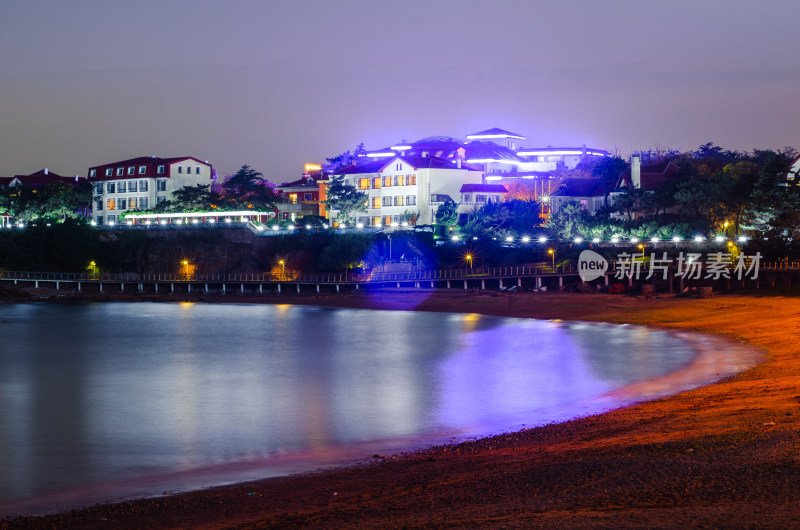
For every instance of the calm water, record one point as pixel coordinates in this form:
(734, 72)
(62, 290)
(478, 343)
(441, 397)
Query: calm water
(104, 401)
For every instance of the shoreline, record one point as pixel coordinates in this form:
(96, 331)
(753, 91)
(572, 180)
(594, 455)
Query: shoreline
(482, 482)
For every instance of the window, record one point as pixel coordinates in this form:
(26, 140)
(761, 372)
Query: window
(143, 203)
(161, 185)
(197, 170)
(411, 180)
(387, 201)
(376, 202)
(143, 185)
(495, 198)
(400, 180)
(387, 181)
(467, 198)
(98, 188)
(160, 199)
(363, 184)
(109, 172)
(376, 221)
(160, 170)
(387, 220)
(111, 219)
(132, 203)
(480, 199)
(142, 170)
(110, 187)
(131, 170)
(292, 198)
(376, 183)
(180, 169)
(119, 171)
(111, 204)
(99, 204)
(411, 200)
(121, 187)
(399, 200)
(98, 219)
(121, 204)
(307, 197)
(92, 173)
(398, 167)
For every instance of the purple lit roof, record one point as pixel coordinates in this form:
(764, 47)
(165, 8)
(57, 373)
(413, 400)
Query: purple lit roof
(417, 162)
(485, 150)
(495, 133)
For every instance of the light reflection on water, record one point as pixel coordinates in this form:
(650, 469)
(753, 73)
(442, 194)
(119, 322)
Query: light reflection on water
(98, 394)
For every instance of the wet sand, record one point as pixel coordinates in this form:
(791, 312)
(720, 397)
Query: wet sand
(724, 455)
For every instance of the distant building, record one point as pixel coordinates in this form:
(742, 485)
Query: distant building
(301, 198)
(408, 185)
(590, 193)
(43, 177)
(474, 196)
(142, 183)
(794, 169)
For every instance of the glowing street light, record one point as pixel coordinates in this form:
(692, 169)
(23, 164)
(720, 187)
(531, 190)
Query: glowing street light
(468, 257)
(641, 247)
(283, 268)
(93, 268)
(552, 255)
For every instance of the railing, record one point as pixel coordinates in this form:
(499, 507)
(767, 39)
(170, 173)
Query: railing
(343, 277)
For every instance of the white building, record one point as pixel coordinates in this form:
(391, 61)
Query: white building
(403, 185)
(142, 183)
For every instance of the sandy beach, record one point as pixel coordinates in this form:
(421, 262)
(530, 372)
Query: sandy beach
(724, 455)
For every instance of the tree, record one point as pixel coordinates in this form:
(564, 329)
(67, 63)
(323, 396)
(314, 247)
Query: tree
(337, 163)
(447, 213)
(609, 169)
(199, 197)
(345, 199)
(249, 190)
(515, 217)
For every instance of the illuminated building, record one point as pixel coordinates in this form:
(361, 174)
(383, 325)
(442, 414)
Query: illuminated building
(404, 184)
(142, 183)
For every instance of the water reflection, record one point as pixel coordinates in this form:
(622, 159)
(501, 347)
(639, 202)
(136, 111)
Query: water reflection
(91, 394)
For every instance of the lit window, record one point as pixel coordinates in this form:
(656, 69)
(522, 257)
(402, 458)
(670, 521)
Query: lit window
(293, 198)
(142, 170)
(111, 204)
(376, 202)
(363, 184)
(411, 180)
(132, 203)
(387, 181)
(376, 183)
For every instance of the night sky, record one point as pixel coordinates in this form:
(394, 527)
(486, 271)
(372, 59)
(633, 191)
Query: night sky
(277, 84)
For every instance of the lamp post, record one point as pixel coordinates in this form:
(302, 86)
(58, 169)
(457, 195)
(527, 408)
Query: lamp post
(283, 269)
(552, 255)
(468, 257)
(389, 236)
(185, 264)
(641, 247)
(93, 268)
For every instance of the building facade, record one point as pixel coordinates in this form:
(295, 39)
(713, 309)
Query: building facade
(407, 186)
(142, 183)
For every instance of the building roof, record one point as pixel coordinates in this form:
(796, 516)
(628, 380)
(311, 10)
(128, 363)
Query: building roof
(494, 133)
(304, 182)
(483, 188)
(417, 162)
(43, 177)
(583, 150)
(149, 162)
(652, 176)
(479, 150)
(581, 187)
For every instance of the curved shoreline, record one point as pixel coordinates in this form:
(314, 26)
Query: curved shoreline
(697, 457)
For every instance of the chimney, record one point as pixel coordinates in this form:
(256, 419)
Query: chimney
(46, 171)
(76, 178)
(636, 171)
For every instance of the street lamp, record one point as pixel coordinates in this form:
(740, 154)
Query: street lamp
(552, 255)
(93, 268)
(641, 247)
(283, 269)
(468, 257)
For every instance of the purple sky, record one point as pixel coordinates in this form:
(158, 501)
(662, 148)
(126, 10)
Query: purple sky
(277, 84)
